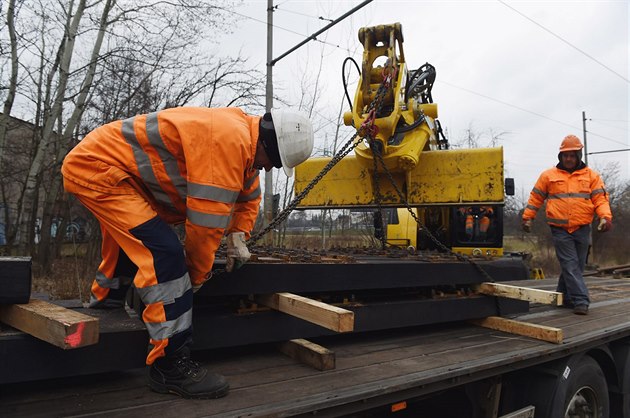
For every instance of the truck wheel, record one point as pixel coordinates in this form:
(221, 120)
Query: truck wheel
(582, 391)
(573, 387)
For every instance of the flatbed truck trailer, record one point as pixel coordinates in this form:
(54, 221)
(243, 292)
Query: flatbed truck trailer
(455, 369)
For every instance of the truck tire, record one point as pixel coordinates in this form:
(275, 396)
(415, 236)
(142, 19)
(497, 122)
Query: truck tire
(581, 391)
(586, 393)
(620, 395)
(569, 388)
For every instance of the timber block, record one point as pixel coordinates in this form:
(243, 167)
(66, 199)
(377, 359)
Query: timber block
(309, 353)
(15, 279)
(54, 324)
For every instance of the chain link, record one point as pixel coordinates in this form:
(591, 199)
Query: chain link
(436, 241)
(282, 216)
(367, 127)
(368, 131)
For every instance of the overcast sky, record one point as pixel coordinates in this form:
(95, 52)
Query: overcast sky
(525, 68)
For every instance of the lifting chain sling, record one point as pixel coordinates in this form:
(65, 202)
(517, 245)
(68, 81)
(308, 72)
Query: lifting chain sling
(367, 130)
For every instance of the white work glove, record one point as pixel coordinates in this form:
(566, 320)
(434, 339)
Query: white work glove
(605, 225)
(196, 287)
(237, 252)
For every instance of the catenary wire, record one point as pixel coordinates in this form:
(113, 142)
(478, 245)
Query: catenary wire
(284, 29)
(528, 111)
(565, 41)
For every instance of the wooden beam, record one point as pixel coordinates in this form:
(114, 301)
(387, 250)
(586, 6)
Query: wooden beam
(539, 332)
(520, 293)
(54, 324)
(322, 314)
(309, 353)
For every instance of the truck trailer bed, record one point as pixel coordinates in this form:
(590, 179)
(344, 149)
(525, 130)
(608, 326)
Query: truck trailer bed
(372, 369)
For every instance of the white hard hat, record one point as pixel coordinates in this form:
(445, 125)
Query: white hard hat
(294, 133)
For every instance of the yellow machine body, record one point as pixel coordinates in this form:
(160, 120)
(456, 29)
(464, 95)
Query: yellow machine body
(399, 153)
(441, 177)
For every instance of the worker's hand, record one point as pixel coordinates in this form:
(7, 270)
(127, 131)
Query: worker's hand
(605, 225)
(527, 225)
(196, 287)
(237, 252)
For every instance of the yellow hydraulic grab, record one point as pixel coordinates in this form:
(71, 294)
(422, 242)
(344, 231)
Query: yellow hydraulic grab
(402, 159)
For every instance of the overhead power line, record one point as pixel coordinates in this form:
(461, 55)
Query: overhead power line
(608, 125)
(564, 40)
(284, 29)
(609, 120)
(531, 112)
(509, 104)
(611, 151)
(277, 7)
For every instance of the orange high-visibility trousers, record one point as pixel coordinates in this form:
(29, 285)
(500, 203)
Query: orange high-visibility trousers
(136, 240)
(469, 226)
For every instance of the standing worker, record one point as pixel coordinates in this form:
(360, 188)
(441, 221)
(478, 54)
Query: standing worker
(575, 193)
(197, 166)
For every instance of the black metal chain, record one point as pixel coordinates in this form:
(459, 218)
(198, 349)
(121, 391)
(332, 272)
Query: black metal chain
(377, 194)
(367, 130)
(436, 241)
(282, 216)
(367, 126)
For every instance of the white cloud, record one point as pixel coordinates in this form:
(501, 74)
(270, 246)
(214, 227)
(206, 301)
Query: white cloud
(481, 46)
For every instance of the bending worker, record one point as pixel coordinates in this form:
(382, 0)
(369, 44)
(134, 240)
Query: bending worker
(194, 165)
(574, 194)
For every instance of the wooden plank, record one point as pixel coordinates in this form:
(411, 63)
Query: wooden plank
(322, 314)
(309, 353)
(539, 332)
(54, 324)
(520, 293)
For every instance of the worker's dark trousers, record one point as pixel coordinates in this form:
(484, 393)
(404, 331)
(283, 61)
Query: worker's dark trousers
(571, 250)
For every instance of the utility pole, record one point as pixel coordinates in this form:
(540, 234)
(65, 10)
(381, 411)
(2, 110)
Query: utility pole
(268, 196)
(268, 202)
(591, 253)
(584, 134)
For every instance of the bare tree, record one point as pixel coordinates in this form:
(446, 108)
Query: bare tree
(12, 81)
(71, 50)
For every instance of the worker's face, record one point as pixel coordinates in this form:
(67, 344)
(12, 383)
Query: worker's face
(261, 160)
(569, 159)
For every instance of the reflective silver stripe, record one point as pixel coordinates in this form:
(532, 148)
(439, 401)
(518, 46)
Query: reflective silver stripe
(144, 165)
(211, 193)
(250, 181)
(570, 195)
(166, 329)
(535, 190)
(207, 219)
(168, 159)
(165, 292)
(104, 282)
(247, 197)
(532, 207)
(597, 191)
(557, 221)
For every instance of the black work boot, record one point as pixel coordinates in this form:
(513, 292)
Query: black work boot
(580, 310)
(180, 375)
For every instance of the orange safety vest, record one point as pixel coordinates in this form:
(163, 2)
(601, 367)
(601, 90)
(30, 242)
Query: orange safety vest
(191, 164)
(572, 198)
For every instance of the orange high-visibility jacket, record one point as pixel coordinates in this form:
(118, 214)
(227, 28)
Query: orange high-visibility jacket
(572, 198)
(191, 164)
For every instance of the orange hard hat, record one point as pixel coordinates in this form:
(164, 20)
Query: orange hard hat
(571, 143)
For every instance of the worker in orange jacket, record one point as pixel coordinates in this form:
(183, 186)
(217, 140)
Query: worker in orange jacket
(197, 166)
(574, 193)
